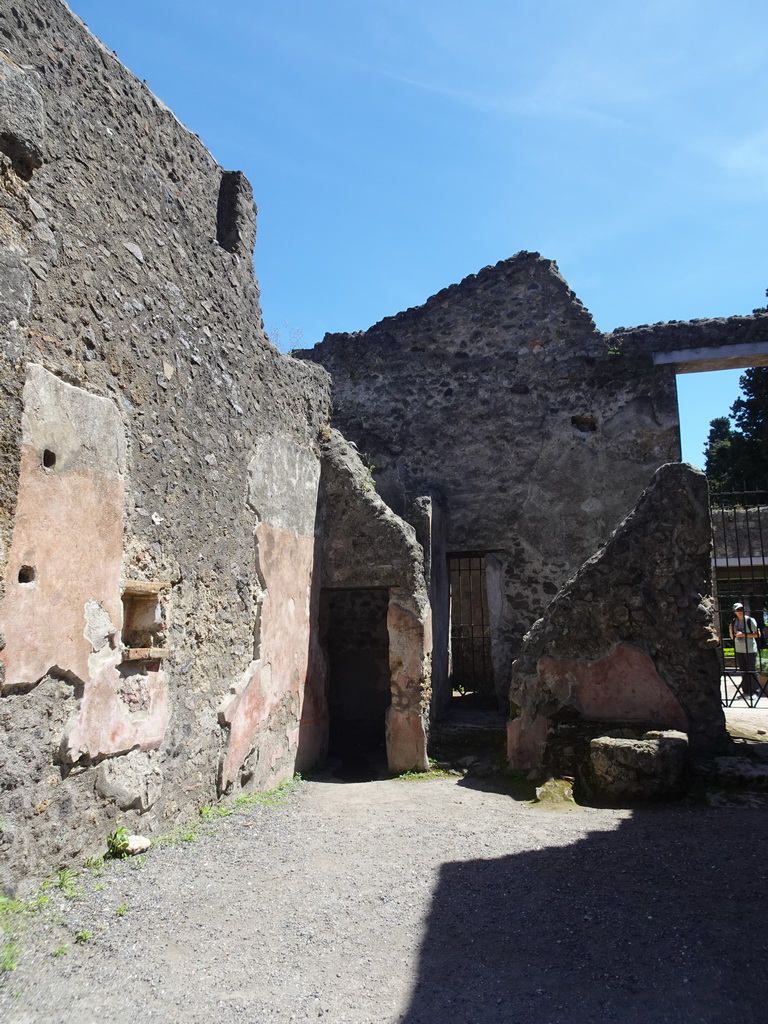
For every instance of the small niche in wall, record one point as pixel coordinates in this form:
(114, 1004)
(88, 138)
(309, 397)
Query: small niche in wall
(27, 575)
(586, 424)
(143, 635)
(49, 459)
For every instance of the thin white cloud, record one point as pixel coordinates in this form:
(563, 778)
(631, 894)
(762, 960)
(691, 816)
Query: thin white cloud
(748, 156)
(533, 104)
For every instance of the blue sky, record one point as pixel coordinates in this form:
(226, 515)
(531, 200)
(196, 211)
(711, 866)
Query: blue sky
(395, 146)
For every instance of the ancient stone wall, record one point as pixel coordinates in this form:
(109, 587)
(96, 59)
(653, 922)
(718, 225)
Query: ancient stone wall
(629, 639)
(500, 400)
(165, 527)
(365, 547)
(154, 448)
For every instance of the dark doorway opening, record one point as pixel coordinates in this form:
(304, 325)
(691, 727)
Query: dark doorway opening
(471, 665)
(357, 645)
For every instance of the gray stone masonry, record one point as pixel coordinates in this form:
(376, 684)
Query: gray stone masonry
(695, 345)
(628, 639)
(531, 431)
(496, 418)
(364, 543)
(500, 399)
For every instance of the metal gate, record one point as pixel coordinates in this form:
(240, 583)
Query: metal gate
(472, 671)
(740, 575)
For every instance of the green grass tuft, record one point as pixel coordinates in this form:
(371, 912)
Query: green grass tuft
(117, 843)
(278, 795)
(435, 771)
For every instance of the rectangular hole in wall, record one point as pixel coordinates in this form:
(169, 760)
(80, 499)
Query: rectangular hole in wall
(143, 634)
(472, 670)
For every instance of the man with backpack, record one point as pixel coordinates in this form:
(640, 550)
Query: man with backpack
(744, 633)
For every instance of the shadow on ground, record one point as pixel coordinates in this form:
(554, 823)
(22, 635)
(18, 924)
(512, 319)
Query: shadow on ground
(661, 920)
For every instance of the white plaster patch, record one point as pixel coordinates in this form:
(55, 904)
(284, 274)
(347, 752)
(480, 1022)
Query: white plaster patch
(82, 431)
(283, 480)
(98, 626)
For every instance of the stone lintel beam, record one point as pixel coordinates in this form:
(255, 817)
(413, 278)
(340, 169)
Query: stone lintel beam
(721, 357)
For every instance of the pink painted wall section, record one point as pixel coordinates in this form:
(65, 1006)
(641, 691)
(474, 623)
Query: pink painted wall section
(62, 611)
(406, 741)
(273, 690)
(526, 742)
(69, 531)
(410, 646)
(311, 738)
(623, 686)
(107, 724)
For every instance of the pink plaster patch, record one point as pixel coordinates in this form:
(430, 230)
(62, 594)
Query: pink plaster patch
(406, 742)
(69, 532)
(105, 726)
(286, 562)
(623, 686)
(410, 644)
(526, 743)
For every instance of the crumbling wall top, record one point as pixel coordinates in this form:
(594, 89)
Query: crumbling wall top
(480, 316)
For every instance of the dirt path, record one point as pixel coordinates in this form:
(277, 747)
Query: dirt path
(417, 902)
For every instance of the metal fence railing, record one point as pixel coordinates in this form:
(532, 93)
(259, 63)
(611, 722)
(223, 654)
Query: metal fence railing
(740, 576)
(472, 671)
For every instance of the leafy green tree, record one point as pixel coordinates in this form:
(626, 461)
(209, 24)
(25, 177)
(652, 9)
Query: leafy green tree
(737, 457)
(718, 454)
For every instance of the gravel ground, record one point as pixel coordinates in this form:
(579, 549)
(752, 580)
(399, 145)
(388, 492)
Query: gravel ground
(429, 902)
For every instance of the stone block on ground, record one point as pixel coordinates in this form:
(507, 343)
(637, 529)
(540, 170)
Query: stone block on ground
(136, 845)
(650, 767)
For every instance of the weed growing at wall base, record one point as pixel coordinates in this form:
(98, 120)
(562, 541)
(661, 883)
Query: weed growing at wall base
(15, 914)
(278, 795)
(117, 842)
(66, 880)
(12, 921)
(205, 823)
(435, 771)
(9, 955)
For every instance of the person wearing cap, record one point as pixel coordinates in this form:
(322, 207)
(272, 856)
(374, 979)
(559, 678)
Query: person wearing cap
(744, 635)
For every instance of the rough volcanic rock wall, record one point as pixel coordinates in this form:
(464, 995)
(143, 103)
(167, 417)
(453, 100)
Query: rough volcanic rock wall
(630, 638)
(500, 399)
(145, 425)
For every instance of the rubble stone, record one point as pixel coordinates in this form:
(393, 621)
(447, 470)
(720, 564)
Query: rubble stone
(625, 770)
(132, 782)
